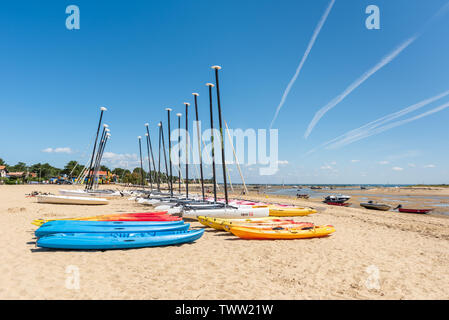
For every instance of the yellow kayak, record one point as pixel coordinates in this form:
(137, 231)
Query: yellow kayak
(278, 211)
(283, 234)
(221, 224)
(217, 223)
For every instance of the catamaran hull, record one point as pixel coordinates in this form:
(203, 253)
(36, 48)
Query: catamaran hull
(71, 200)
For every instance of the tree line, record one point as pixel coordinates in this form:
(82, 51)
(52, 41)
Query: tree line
(45, 171)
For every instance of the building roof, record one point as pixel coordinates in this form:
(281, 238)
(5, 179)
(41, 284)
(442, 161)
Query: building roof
(16, 174)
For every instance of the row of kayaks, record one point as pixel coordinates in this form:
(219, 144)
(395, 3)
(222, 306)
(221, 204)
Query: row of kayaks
(124, 231)
(268, 228)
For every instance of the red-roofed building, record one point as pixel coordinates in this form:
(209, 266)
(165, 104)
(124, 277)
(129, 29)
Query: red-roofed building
(3, 172)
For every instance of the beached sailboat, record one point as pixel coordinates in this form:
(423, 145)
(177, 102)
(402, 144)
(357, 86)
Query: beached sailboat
(54, 199)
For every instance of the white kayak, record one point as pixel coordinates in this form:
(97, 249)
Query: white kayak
(70, 200)
(84, 193)
(228, 213)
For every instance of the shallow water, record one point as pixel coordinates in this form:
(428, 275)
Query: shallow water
(429, 201)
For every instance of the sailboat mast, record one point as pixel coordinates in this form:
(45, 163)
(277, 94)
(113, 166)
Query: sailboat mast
(216, 68)
(179, 151)
(187, 149)
(141, 164)
(210, 85)
(151, 151)
(169, 150)
(195, 96)
(103, 109)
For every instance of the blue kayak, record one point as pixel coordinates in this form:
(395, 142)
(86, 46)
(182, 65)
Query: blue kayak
(112, 223)
(68, 228)
(96, 241)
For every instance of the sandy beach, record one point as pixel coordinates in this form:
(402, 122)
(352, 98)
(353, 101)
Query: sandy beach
(372, 255)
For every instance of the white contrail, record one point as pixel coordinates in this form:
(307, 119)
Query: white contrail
(387, 59)
(390, 126)
(361, 132)
(303, 60)
(354, 135)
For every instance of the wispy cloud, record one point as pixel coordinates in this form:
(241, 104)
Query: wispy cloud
(355, 161)
(384, 162)
(429, 166)
(58, 150)
(303, 60)
(386, 127)
(397, 168)
(375, 127)
(386, 60)
(412, 165)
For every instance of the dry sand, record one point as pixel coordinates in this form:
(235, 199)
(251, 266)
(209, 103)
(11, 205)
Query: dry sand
(410, 253)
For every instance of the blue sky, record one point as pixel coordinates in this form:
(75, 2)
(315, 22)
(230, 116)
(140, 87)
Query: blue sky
(139, 57)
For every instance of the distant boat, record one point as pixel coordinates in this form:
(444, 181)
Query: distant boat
(314, 187)
(420, 211)
(341, 204)
(362, 187)
(338, 198)
(375, 206)
(303, 196)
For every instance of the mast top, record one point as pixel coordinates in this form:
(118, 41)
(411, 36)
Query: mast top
(179, 114)
(139, 137)
(216, 67)
(168, 109)
(210, 85)
(103, 109)
(195, 94)
(146, 124)
(187, 104)
(105, 125)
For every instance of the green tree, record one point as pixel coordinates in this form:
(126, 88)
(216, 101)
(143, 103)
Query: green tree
(72, 168)
(19, 167)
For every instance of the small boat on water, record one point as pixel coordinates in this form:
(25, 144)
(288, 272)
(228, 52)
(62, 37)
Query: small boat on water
(302, 196)
(419, 211)
(375, 206)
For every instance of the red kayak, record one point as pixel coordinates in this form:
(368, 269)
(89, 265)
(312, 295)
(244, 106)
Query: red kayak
(414, 210)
